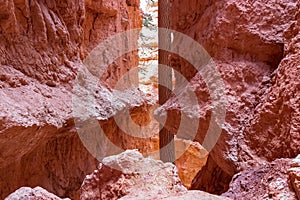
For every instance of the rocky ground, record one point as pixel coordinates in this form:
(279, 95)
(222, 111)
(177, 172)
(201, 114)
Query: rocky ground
(131, 176)
(126, 176)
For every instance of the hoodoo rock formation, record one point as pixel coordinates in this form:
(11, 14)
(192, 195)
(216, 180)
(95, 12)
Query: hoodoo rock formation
(53, 113)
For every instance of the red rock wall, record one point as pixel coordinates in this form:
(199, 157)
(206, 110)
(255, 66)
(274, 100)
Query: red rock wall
(277, 117)
(257, 55)
(42, 45)
(107, 17)
(255, 45)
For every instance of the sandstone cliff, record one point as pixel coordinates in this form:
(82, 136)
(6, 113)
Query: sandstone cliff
(255, 47)
(42, 45)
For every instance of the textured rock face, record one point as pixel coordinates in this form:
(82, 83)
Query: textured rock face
(102, 18)
(49, 157)
(42, 45)
(269, 181)
(276, 118)
(130, 176)
(255, 46)
(192, 158)
(192, 194)
(294, 174)
(127, 173)
(36, 193)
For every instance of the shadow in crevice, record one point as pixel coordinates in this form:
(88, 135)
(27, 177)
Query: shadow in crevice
(211, 178)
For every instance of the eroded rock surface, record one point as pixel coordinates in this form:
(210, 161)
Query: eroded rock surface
(192, 194)
(256, 51)
(36, 193)
(274, 129)
(294, 174)
(131, 176)
(254, 45)
(130, 172)
(268, 181)
(43, 44)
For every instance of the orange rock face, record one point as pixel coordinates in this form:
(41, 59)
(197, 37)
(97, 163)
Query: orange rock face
(42, 45)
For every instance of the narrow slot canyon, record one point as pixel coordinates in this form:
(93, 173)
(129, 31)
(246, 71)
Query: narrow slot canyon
(92, 90)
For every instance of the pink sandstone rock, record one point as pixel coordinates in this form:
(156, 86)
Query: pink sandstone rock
(43, 44)
(294, 174)
(37, 193)
(131, 176)
(267, 181)
(255, 47)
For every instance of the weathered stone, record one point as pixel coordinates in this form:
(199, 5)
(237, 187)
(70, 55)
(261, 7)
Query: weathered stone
(274, 129)
(255, 47)
(128, 173)
(36, 193)
(43, 44)
(294, 174)
(131, 176)
(268, 181)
